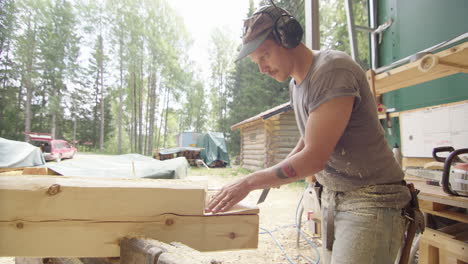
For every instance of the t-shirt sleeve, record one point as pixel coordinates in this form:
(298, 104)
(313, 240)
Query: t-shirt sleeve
(332, 84)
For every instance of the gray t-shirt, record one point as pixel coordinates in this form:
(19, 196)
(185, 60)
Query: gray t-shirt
(361, 157)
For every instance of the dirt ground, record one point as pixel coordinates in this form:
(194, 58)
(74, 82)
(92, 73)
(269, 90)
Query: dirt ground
(277, 214)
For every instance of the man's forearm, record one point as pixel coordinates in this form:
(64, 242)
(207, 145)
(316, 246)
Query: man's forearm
(297, 167)
(299, 146)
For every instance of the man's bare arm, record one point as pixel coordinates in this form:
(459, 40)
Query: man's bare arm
(324, 128)
(299, 146)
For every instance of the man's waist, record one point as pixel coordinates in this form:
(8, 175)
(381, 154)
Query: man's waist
(391, 195)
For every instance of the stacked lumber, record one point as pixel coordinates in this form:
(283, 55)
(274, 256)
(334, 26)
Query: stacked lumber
(57, 216)
(191, 155)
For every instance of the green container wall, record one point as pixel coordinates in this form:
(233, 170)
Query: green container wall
(417, 25)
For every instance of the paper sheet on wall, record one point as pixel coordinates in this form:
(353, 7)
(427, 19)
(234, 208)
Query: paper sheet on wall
(422, 131)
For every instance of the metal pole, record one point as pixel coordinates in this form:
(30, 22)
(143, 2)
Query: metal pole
(351, 31)
(312, 24)
(373, 37)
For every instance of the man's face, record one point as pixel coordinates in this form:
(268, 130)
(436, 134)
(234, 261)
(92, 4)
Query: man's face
(271, 60)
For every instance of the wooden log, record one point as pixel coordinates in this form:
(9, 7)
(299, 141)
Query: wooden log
(70, 238)
(42, 198)
(251, 162)
(251, 167)
(258, 146)
(255, 156)
(280, 133)
(88, 217)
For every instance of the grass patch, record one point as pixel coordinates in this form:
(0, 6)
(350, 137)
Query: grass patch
(223, 172)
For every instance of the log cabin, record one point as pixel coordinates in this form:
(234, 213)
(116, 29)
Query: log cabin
(267, 138)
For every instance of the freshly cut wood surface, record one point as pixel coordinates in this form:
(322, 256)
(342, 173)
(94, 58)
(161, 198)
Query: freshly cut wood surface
(50, 198)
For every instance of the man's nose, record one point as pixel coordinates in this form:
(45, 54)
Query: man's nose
(262, 68)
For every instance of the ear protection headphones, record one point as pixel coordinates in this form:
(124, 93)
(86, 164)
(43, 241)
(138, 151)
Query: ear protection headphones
(286, 29)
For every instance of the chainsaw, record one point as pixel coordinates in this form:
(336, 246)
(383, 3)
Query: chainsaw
(453, 177)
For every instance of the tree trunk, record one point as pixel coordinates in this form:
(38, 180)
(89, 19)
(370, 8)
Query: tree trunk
(101, 71)
(119, 118)
(148, 99)
(135, 125)
(152, 113)
(28, 82)
(140, 109)
(165, 119)
(161, 120)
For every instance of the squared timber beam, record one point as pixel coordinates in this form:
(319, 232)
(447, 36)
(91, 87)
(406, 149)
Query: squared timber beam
(47, 216)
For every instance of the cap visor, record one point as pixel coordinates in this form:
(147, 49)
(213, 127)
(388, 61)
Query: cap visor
(251, 46)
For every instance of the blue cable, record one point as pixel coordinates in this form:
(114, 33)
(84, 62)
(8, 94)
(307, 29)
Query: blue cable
(302, 233)
(279, 245)
(266, 231)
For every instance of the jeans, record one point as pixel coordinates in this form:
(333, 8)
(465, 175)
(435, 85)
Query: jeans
(365, 236)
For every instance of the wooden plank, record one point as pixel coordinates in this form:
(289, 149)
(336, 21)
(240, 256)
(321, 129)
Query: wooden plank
(461, 217)
(371, 80)
(431, 206)
(445, 243)
(428, 254)
(397, 114)
(454, 229)
(93, 238)
(415, 162)
(436, 194)
(410, 74)
(48, 198)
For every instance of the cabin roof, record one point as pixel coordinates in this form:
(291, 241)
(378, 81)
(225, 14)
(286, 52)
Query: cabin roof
(264, 115)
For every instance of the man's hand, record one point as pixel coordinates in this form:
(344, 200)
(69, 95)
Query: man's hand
(228, 196)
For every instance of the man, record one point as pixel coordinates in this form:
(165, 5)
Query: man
(342, 144)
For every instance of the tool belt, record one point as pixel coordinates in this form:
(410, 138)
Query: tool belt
(415, 223)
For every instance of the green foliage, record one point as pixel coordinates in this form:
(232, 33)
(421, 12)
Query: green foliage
(62, 60)
(334, 31)
(224, 172)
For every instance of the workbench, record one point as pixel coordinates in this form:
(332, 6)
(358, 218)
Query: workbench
(447, 244)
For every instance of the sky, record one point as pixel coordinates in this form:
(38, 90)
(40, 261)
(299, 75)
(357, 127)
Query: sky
(202, 16)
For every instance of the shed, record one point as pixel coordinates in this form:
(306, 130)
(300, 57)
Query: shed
(267, 138)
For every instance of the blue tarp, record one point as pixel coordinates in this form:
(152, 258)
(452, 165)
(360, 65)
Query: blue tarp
(128, 166)
(16, 154)
(214, 148)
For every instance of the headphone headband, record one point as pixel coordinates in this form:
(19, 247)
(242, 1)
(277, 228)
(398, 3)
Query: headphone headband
(286, 29)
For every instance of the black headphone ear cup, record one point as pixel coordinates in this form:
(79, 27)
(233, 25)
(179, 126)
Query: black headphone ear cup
(289, 31)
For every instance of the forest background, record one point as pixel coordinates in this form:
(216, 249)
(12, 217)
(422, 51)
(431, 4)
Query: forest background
(138, 88)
